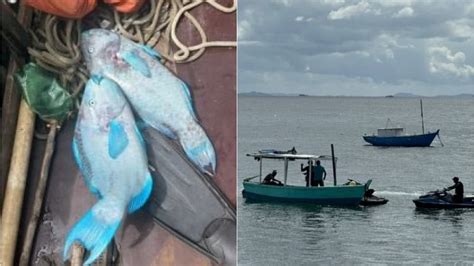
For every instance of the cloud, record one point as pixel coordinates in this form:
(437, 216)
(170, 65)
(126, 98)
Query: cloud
(347, 12)
(395, 3)
(363, 40)
(243, 29)
(333, 2)
(461, 29)
(301, 19)
(470, 10)
(323, 84)
(404, 12)
(444, 61)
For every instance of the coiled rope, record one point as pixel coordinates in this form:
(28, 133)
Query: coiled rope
(56, 40)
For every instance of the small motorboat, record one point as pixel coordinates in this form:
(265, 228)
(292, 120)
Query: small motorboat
(344, 194)
(370, 200)
(441, 199)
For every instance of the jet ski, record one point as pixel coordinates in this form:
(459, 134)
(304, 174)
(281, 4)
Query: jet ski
(443, 200)
(370, 200)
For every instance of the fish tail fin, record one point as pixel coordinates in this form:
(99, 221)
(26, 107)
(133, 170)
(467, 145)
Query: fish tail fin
(200, 151)
(93, 232)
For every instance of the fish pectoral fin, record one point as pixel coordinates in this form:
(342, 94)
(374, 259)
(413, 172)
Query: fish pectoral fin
(139, 200)
(189, 101)
(137, 63)
(118, 139)
(93, 233)
(152, 52)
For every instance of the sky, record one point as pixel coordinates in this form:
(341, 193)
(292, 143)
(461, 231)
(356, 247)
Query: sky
(356, 48)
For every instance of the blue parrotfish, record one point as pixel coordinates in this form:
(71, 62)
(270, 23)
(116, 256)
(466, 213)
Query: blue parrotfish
(160, 98)
(111, 155)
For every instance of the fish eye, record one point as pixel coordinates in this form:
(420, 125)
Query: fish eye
(91, 102)
(90, 50)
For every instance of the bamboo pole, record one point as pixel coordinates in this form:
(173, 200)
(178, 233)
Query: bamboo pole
(11, 104)
(39, 195)
(16, 183)
(77, 254)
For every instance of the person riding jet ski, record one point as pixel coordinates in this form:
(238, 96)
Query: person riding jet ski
(458, 187)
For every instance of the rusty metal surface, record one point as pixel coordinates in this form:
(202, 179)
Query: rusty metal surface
(141, 241)
(213, 82)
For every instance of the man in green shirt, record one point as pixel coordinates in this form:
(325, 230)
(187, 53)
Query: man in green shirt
(318, 175)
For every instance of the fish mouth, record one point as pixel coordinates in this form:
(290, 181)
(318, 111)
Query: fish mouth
(209, 170)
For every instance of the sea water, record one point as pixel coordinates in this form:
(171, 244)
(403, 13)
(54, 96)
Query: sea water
(395, 233)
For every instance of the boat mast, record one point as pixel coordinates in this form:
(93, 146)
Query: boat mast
(422, 122)
(286, 169)
(333, 164)
(261, 169)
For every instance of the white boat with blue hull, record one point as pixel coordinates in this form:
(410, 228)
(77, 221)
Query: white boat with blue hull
(395, 136)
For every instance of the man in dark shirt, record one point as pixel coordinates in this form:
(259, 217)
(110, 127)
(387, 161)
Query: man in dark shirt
(318, 175)
(458, 190)
(271, 180)
(305, 171)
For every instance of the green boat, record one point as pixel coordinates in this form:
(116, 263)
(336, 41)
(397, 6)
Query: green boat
(350, 193)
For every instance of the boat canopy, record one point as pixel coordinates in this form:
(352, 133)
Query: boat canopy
(290, 156)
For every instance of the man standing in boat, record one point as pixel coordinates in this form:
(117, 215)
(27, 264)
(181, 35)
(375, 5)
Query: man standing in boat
(458, 187)
(318, 175)
(305, 171)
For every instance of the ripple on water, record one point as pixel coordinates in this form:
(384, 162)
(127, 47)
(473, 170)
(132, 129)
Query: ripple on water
(395, 233)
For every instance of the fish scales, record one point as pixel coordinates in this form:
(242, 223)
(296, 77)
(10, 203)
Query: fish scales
(108, 149)
(161, 99)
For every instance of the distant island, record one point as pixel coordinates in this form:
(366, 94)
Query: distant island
(405, 95)
(254, 93)
(259, 94)
(396, 95)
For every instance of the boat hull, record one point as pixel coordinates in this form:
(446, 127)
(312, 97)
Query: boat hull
(333, 195)
(442, 204)
(423, 140)
(373, 201)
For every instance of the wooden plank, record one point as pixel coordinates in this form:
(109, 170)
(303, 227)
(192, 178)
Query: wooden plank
(16, 140)
(16, 183)
(11, 103)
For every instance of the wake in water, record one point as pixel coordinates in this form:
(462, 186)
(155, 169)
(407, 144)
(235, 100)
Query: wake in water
(399, 193)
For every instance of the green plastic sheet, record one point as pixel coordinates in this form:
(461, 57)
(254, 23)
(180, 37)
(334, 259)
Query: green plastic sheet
(43, 93)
